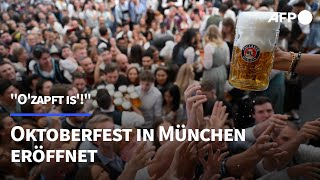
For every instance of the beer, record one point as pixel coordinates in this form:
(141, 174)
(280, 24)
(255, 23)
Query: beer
(93, 93)
(131, 89)
(117, 94)
(118, 103)
(123, 89)
(110, 87)
(253, 51)
(126, 105)
(135, 100)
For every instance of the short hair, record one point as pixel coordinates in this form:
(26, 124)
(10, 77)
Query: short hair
(244, 1)
(77, 46)
(27, 107)
(78, 75)
(72, 108)
(111, 68)
(4, 85)
(259, 100)
(104, 99)
(39, 50)
(223, 8)
(148, 53)
(103, 30)
(99, 118)
(146, 76)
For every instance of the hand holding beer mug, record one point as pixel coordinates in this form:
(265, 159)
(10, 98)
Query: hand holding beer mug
(253, 51)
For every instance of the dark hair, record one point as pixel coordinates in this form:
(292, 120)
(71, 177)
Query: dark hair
(40, 84)
(137, 80)
(4, 85)
(72, 108)
(175, 93)
(78, 75)
(136, 53)
(186, 41)
(39, 50)
(148, 53)
(146, 76)
(259, 100)
(223, 8)
(59, 90)
(27, 107)
(84, 173)
(161, 68)
(111, 68)
(243, 1)
(103, 30)
(104, 99)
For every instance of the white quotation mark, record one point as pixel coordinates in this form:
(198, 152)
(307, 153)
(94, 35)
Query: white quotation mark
(305, 17)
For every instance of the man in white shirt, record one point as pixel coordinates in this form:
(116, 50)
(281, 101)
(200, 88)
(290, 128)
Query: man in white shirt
(151, 99)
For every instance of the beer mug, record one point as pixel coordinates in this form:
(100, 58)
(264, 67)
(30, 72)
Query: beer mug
(123, 89)
(131, 89)
(135, 100)
(253, 51)
(126, 105)
(111, 92)
(117, 94)
(110, 87)
(118, 103)
(93, 93)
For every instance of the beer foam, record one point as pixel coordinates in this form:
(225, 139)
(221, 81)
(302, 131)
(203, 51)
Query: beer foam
(110, 87)
(117, 101)
(131, 89)
(123, 88)
(126, 105)
(254, 28)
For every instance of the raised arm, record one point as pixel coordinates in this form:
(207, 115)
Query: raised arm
(309, 64)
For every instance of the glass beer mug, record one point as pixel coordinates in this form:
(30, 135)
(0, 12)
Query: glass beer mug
(253, 51)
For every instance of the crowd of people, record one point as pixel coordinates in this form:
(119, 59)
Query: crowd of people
(146, 64)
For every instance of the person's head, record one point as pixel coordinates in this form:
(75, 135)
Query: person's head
(87, 65)
(104, 32)
(105, 55)
(43, 87)
(188, 38)
(74, 108)
(161, 75)
(92, 172)
(208, 88)
(299, 6)
(283, 135)
(42, 55)
(122, 61)
(79, 81)
(156, 126)
(7, 71)
(79, 51)
(6, 38)
(101, 121)
(242, 4)
(104, 99)
(20, 54)
(31, 40)
(7, 121)
(213, 35)
(185, 74)
(163, 27)
(133, 75)
(147, 60)
(228, 27)
(136, 54)
(6, 89)
(28, 107)
(111, 73)
(172, 97)
(51, 18)
(146, 81)
(4, 50)
(66, 51)
(262, 109)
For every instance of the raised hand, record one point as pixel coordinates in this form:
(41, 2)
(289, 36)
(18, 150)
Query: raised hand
(309, 130)
(142, 156)
(213, 164)
(218, 116)
(263, 146)
(193, 104)
(278, 120)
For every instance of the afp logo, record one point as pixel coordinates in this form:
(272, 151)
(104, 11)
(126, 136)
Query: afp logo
(304, 17)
